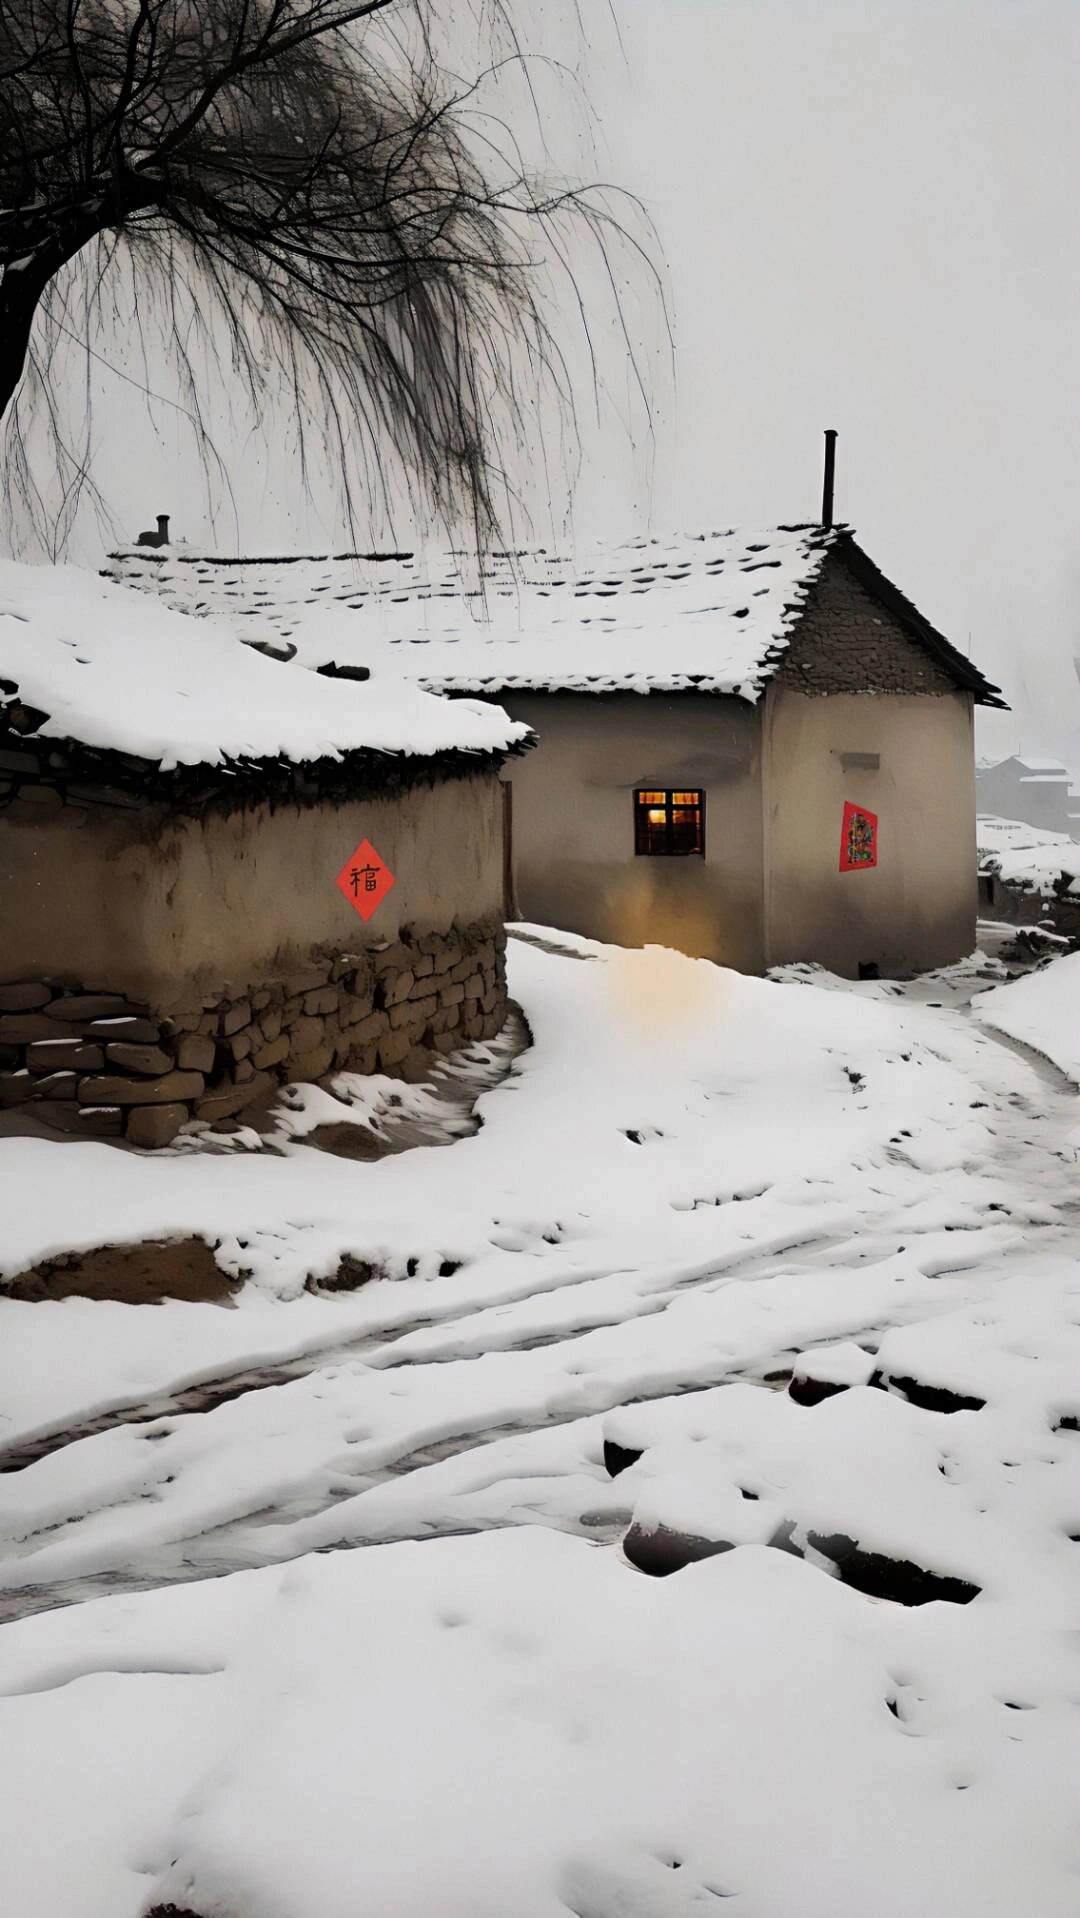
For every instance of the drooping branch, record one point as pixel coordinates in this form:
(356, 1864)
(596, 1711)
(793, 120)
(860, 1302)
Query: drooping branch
(314, 192)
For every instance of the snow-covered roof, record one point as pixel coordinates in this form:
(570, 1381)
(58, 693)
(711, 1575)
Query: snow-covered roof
(1027, 766)
(711, 613)
(116, 670)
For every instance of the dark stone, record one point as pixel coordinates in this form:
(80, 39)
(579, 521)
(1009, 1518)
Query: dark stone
(224, 1101)
(272, 1054)
(104, 795)
(46, 797)
(195, 1052)
(332, 670)
(23, 718)
(127, 1029)
(932, 1398)
(23, 1027)
(661, 1551)
(806, 1391)
(76, 1007)
(24, 996)
(88, 1122)
(151, 1126)
(618, 1458)
(57, 1085)
(895, 1578)
(149, 1059)
(110, 1090)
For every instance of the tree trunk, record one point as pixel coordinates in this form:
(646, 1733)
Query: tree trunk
(20, 291)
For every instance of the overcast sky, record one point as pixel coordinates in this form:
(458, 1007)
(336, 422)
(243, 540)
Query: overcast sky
(869, 214)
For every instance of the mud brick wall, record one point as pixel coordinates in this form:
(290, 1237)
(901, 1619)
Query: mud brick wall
(846, 642)
(100, 1065)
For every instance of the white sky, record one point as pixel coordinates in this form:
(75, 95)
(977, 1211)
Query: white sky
(868, 210)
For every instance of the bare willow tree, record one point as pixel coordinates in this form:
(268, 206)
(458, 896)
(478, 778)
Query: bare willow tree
(292, 173)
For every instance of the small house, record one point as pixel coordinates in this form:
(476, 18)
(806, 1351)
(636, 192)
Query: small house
(215, 878)
(752, 745)
(1031, 788)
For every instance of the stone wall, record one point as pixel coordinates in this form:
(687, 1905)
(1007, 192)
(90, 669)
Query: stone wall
(102, 1065)
(1057, 911)
(847, 642)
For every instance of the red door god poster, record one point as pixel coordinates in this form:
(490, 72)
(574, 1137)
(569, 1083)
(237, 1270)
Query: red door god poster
(858, 839)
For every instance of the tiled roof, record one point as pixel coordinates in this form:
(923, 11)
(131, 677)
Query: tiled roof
(712, 612)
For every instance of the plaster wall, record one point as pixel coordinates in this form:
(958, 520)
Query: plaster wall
(168, 908)
(574, 859)
(917, 907)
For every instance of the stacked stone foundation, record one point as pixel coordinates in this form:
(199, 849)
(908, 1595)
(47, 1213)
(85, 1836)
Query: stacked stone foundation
(101, 1065)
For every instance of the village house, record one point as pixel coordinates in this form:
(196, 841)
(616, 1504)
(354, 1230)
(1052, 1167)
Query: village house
(752, 745)
(1030, 788)
(216, 879)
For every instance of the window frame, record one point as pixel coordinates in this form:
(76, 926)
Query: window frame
(649, 798)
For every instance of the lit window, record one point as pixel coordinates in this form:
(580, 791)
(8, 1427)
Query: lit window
(669, 822)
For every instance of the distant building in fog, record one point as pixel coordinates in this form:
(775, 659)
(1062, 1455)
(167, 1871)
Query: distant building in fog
(1031, 788)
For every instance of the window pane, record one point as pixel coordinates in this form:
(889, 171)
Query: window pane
(686, 829)
(670, 821)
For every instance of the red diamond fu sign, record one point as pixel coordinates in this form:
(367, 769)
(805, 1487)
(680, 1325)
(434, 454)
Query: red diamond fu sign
(365, 879)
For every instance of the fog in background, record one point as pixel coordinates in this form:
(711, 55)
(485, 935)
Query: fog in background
(868, 211)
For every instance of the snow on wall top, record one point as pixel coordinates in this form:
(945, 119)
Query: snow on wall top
(115, 670)
(711, 613)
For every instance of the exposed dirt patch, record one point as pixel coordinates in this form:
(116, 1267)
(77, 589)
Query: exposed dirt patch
(347, 1141)
(143, 1274)
(350, 1274)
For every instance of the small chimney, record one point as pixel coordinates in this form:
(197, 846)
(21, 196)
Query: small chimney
(830, 476)
(163, 525)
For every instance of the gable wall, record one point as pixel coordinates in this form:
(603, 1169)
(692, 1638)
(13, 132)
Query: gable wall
(845, 642)
(914, 909)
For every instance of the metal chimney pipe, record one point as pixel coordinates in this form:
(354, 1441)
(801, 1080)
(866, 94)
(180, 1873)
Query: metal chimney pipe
(830, 475)
(163, 528)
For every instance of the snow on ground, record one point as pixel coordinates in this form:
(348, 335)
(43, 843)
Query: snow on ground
(186, 692)
(1041, 1010)
(692, 1185)
(1030, 857)
(518, 1724)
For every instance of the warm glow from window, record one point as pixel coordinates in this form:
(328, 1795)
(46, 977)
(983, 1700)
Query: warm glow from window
(669, 824)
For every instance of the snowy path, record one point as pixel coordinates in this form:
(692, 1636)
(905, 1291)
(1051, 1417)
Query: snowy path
(689, 1186)
(469, 1414)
